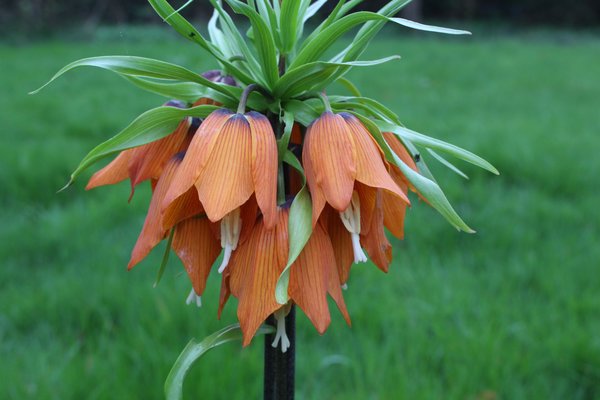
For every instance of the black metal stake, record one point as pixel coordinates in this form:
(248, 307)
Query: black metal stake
(280, 367)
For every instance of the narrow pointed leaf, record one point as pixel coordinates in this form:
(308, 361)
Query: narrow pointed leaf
(143, 67)
(426, 187)
(428, 28)
(311, 76)
(448, 164)
(264, 41)
(194, 350)
(165, 258)
(439, 145)
(187, 30)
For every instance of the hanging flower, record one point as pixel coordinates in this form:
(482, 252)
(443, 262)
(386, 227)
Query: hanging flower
(146, 162)
(255, 267)
(345, 168)
(232, 157)
(194, 240)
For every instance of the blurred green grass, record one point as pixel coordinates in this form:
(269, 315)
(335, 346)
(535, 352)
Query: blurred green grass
(512, 312)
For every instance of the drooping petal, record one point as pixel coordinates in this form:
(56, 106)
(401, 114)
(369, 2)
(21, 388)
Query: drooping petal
(264, 166)
(197, 248)
(114, 172)
(368, 199)
(394, 212)
(316, 194)
(308, 279)
(153, 231)
(184, 207)
(329, 146)
(333, 282)
(254, 269)
(375, 241)
(225, 182)
(341, 242)
(197, 154)
(149, 160)
(370, 167)
(398, 148)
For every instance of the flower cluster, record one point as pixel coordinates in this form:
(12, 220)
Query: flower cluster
(215, 190)
(285, 194)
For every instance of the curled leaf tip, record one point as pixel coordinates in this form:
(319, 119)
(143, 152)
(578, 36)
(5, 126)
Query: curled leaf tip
(66, 186)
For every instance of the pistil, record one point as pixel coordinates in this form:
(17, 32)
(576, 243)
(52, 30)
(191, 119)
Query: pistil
(351, 220)
(231, 226)
(281, 333)
(194, 298)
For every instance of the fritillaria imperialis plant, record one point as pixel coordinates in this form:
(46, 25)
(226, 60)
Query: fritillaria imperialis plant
(260, 163)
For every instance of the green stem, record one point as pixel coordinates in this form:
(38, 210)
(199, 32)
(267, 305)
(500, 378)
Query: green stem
(325, 101)
(244, 98)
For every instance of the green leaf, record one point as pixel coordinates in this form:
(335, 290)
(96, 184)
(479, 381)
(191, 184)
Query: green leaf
(428, 28)
(439, 145)
(311, 76)
(350, 87)
(325, 39)
(303, 112)
(144, 67)
(426, 187)
(291, 159)
(264, 41)
(186, 91)
(194, 350)
(187, 30)
(289, 24)
(283, 142)
(165, 258)
(448, 164)
(152, 125)
(299, 230)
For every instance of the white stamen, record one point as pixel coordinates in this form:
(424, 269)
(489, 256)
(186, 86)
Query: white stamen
(345, 286)
(231, 226)
(351, 220)
(193, 297)
(281, 334)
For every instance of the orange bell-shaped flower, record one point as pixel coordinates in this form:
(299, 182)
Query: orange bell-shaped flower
(231, 157)
(345, 167)
(256, 266)
(147, 161)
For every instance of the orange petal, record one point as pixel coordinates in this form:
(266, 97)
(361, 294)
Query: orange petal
(370, 167)
(225, 292)
(197, 154)
(184, 207)
(149, 160)
(394, 211)
(329, 146)
(254, 269)
(316, 194)
(333, 282)
(341, 242)
(368, 200)
(114, 172)
(264, 166)
(225, 182)
(308, 279)
(398, 148)
(375, 242)
(197, 248)
(153, 231)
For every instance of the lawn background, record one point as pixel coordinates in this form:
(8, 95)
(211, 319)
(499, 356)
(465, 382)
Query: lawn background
(512, 312)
